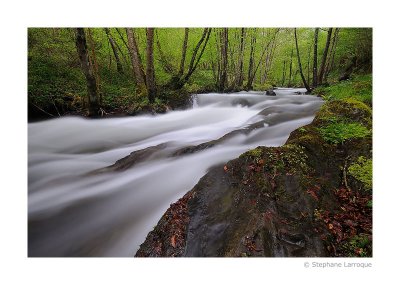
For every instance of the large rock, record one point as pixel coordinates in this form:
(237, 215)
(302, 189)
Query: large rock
(274, 201)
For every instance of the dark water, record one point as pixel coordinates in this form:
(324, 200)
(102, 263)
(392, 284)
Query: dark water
(73, 213)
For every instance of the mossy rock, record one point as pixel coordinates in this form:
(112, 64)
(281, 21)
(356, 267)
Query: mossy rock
(349, 110)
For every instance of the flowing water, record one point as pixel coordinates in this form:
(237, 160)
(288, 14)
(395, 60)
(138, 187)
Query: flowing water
(76, 208)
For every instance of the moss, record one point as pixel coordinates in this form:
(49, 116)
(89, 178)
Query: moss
(362, 171)
(347, 110)
(338, 132)
(256, 152)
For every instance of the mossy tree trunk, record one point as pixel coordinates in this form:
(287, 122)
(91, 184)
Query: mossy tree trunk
(93, 99)
(315, 62)
(253, 41)
(239, 76)
(150, 75)
(137, 66)
(322, 68)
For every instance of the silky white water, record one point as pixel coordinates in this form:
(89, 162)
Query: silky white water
(75, 212)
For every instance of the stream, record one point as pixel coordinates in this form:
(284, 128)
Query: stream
(80, 206)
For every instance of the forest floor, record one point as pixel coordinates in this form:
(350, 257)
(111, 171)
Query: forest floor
(310, 197)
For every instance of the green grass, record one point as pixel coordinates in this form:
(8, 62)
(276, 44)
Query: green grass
(359, 88)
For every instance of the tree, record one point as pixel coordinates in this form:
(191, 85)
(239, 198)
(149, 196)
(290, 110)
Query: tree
(150, 75)
(331, 58)
(299, 62)
(239, 75)
(137, 65)
(178, 81)
(283, 73)
(222, 78)
(315, 63)
(114, 49)
(324, 56)
(290, 67)
(253, 40)
(184, 49)
(87, 70)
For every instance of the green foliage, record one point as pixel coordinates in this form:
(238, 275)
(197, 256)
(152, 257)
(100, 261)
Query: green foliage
(337, 132)
(362, 171)
(360, 89)
(54, 73)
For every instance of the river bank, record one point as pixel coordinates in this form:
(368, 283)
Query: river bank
(310, 197)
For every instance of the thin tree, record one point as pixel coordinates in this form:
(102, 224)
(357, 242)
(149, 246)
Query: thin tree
(299, 62)
(331, 59)
(93, 62)
(324, 56)
(290, 68)
(251, 60)
(284, 73)
(165, 64)
(114, 49)
(308, 63)
(224, 59)
(184, 49)
(239, 76)
(81, 46)
(178, 82)
(315, 62)
(150, 74)
(137, 66)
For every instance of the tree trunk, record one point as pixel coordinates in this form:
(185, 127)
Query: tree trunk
(315, 63)
(331, 60)
(150, 75)
(81, 46)
(290, 68)
(239, 81)
(93, 62)
(184, 49)
(114, 49)
(177, 82)
(283, 73)
(137, 65)
(324, 56)
(224, 59)
(299, 62)
(251, 61)
(308, 64)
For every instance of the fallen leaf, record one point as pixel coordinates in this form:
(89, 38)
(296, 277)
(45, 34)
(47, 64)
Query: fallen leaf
(173, 241)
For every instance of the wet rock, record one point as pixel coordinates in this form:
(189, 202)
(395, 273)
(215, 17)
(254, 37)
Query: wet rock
(277, 201)
(270, 92)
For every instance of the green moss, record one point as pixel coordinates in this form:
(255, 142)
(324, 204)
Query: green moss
(338, 132)
(362, 171)
(256, 152)
(360, 89)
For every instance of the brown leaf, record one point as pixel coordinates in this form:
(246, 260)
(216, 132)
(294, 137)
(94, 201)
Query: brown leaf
(173, 241)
